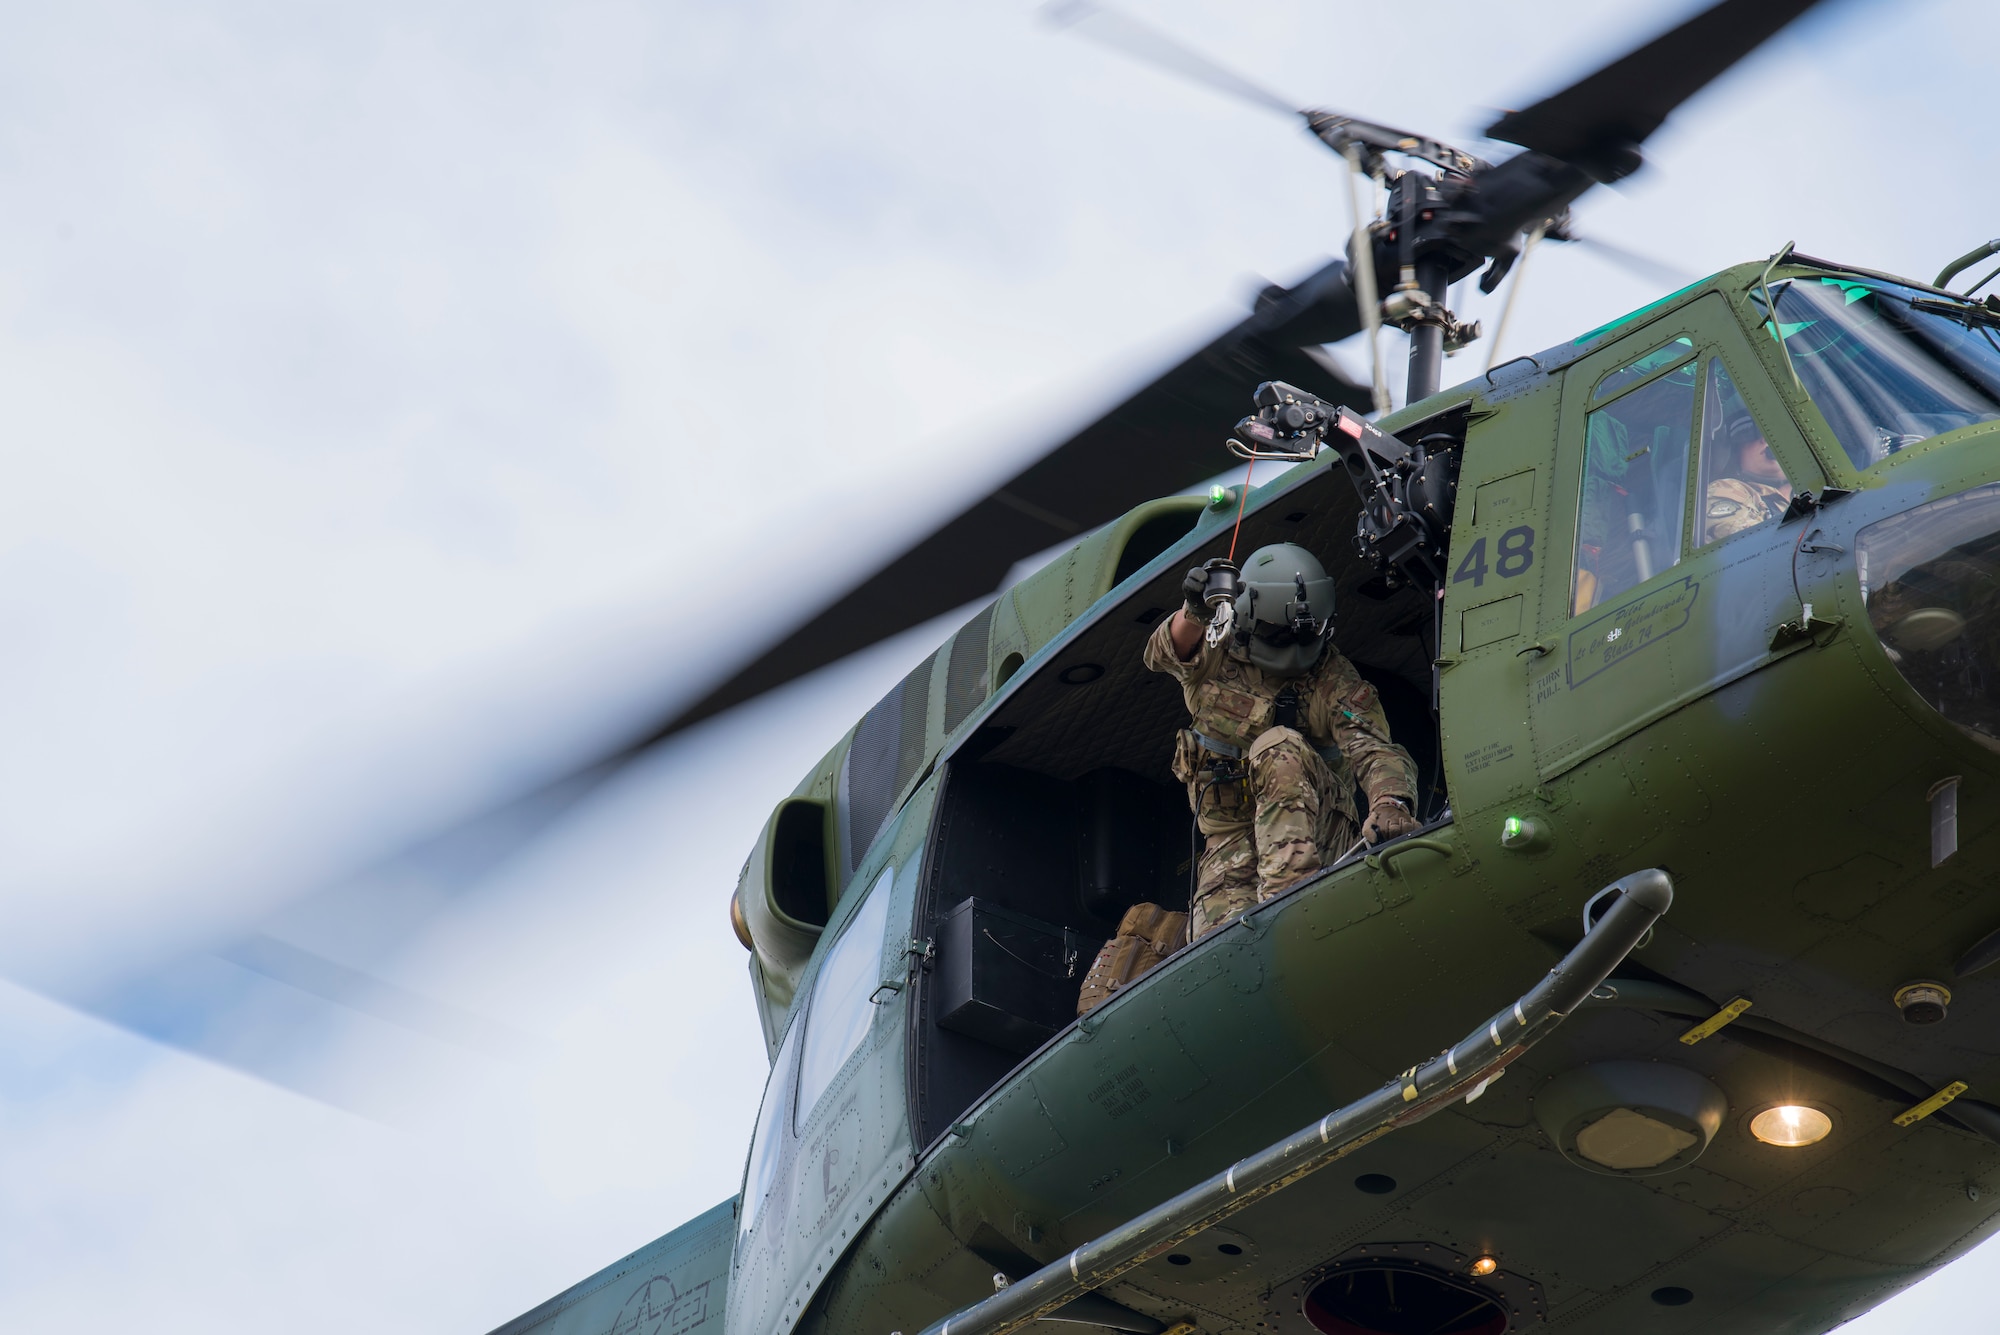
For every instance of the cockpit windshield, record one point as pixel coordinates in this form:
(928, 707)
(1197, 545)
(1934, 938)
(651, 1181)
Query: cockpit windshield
(1889, 366)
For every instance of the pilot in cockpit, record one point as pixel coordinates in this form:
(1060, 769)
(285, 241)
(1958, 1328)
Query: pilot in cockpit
(1754, 491)
(1283, 729)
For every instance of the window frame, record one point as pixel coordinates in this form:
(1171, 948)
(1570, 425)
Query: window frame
(1786, 401)
(1595, 404)
(1697, 492)
(780, 1089)
(881, 891)
(1698, 344)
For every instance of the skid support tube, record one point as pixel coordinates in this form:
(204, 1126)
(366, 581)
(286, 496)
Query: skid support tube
(1410, 1097)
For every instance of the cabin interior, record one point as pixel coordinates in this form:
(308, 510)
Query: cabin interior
(1060, 811)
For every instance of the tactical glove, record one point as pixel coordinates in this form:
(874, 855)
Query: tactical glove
(1388, 817)
(1191, 591)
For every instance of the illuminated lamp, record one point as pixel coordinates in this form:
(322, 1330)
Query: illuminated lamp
(1791, 1126)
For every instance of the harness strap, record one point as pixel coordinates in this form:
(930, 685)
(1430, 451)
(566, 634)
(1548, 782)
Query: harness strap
(1285, 709)
(1209, 743)
(1330, 754)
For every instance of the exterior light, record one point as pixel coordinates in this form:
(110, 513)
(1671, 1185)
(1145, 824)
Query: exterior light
(1523, 834)
(1791, 1126)
(1485, 1265)
(1218, 496)
(1923, 1002)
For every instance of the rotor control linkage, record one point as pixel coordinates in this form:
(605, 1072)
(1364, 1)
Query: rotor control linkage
(1422, 1090)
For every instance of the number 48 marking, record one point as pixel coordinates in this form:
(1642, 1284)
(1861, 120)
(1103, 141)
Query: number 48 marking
(1515, 552)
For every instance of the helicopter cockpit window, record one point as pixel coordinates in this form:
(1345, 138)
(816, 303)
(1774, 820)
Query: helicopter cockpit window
(1626, 376)
(1635, 475)
(1742, 484)
(838, 1015)
(1889, 366)
(767, 1142)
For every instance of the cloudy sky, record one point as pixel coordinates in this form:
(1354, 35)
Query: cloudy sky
(386, 389)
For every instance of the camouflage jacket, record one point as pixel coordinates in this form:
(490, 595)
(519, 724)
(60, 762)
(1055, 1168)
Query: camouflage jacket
(1734, 504)
(1235, 702)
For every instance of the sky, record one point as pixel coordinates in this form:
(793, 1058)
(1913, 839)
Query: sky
(399, 400)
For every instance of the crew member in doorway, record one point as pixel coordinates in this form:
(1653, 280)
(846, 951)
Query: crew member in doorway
(1758, 492)
(1283, 730)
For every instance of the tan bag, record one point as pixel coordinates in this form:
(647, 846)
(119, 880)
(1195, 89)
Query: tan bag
(1147, 934)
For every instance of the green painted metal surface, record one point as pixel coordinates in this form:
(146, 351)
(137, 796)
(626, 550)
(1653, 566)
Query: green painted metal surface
(678, 1285)
(1695, 718)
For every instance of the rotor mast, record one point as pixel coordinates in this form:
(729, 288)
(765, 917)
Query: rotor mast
(1411, 241)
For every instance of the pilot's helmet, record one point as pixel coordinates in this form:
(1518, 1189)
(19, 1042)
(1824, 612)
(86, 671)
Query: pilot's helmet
(1284, 611)
(1743, 431)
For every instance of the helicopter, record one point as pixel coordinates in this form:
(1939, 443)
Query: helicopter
(1755, 1103)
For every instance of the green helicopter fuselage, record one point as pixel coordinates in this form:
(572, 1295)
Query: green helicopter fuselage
(1792, 719)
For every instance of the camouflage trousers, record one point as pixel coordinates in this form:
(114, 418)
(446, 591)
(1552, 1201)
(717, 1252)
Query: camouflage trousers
(1294, 816)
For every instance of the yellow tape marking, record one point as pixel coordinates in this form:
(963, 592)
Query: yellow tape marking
(1911, 1116)
(1716, 1021)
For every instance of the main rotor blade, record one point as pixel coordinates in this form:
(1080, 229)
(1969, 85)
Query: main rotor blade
(1632, 261)
(1163, 438)
(1590, 133)
(1130, 37)
(1598, 121)
(286, 1016)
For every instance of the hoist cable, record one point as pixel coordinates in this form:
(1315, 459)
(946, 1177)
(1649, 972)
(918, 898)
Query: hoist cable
(1241, 502)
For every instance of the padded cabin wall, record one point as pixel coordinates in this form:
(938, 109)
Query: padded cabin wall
(1133, 844)
(1007, 836)
(983, 844)
(1069, 855)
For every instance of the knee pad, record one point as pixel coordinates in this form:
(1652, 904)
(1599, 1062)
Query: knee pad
(1281, 765)
(1271, 739)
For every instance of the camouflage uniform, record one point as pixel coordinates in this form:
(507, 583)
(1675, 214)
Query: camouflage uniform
(1273, 814)
(1734, 504)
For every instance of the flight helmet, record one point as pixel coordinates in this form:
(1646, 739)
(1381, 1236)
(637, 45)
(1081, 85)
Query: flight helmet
(1284, 610)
